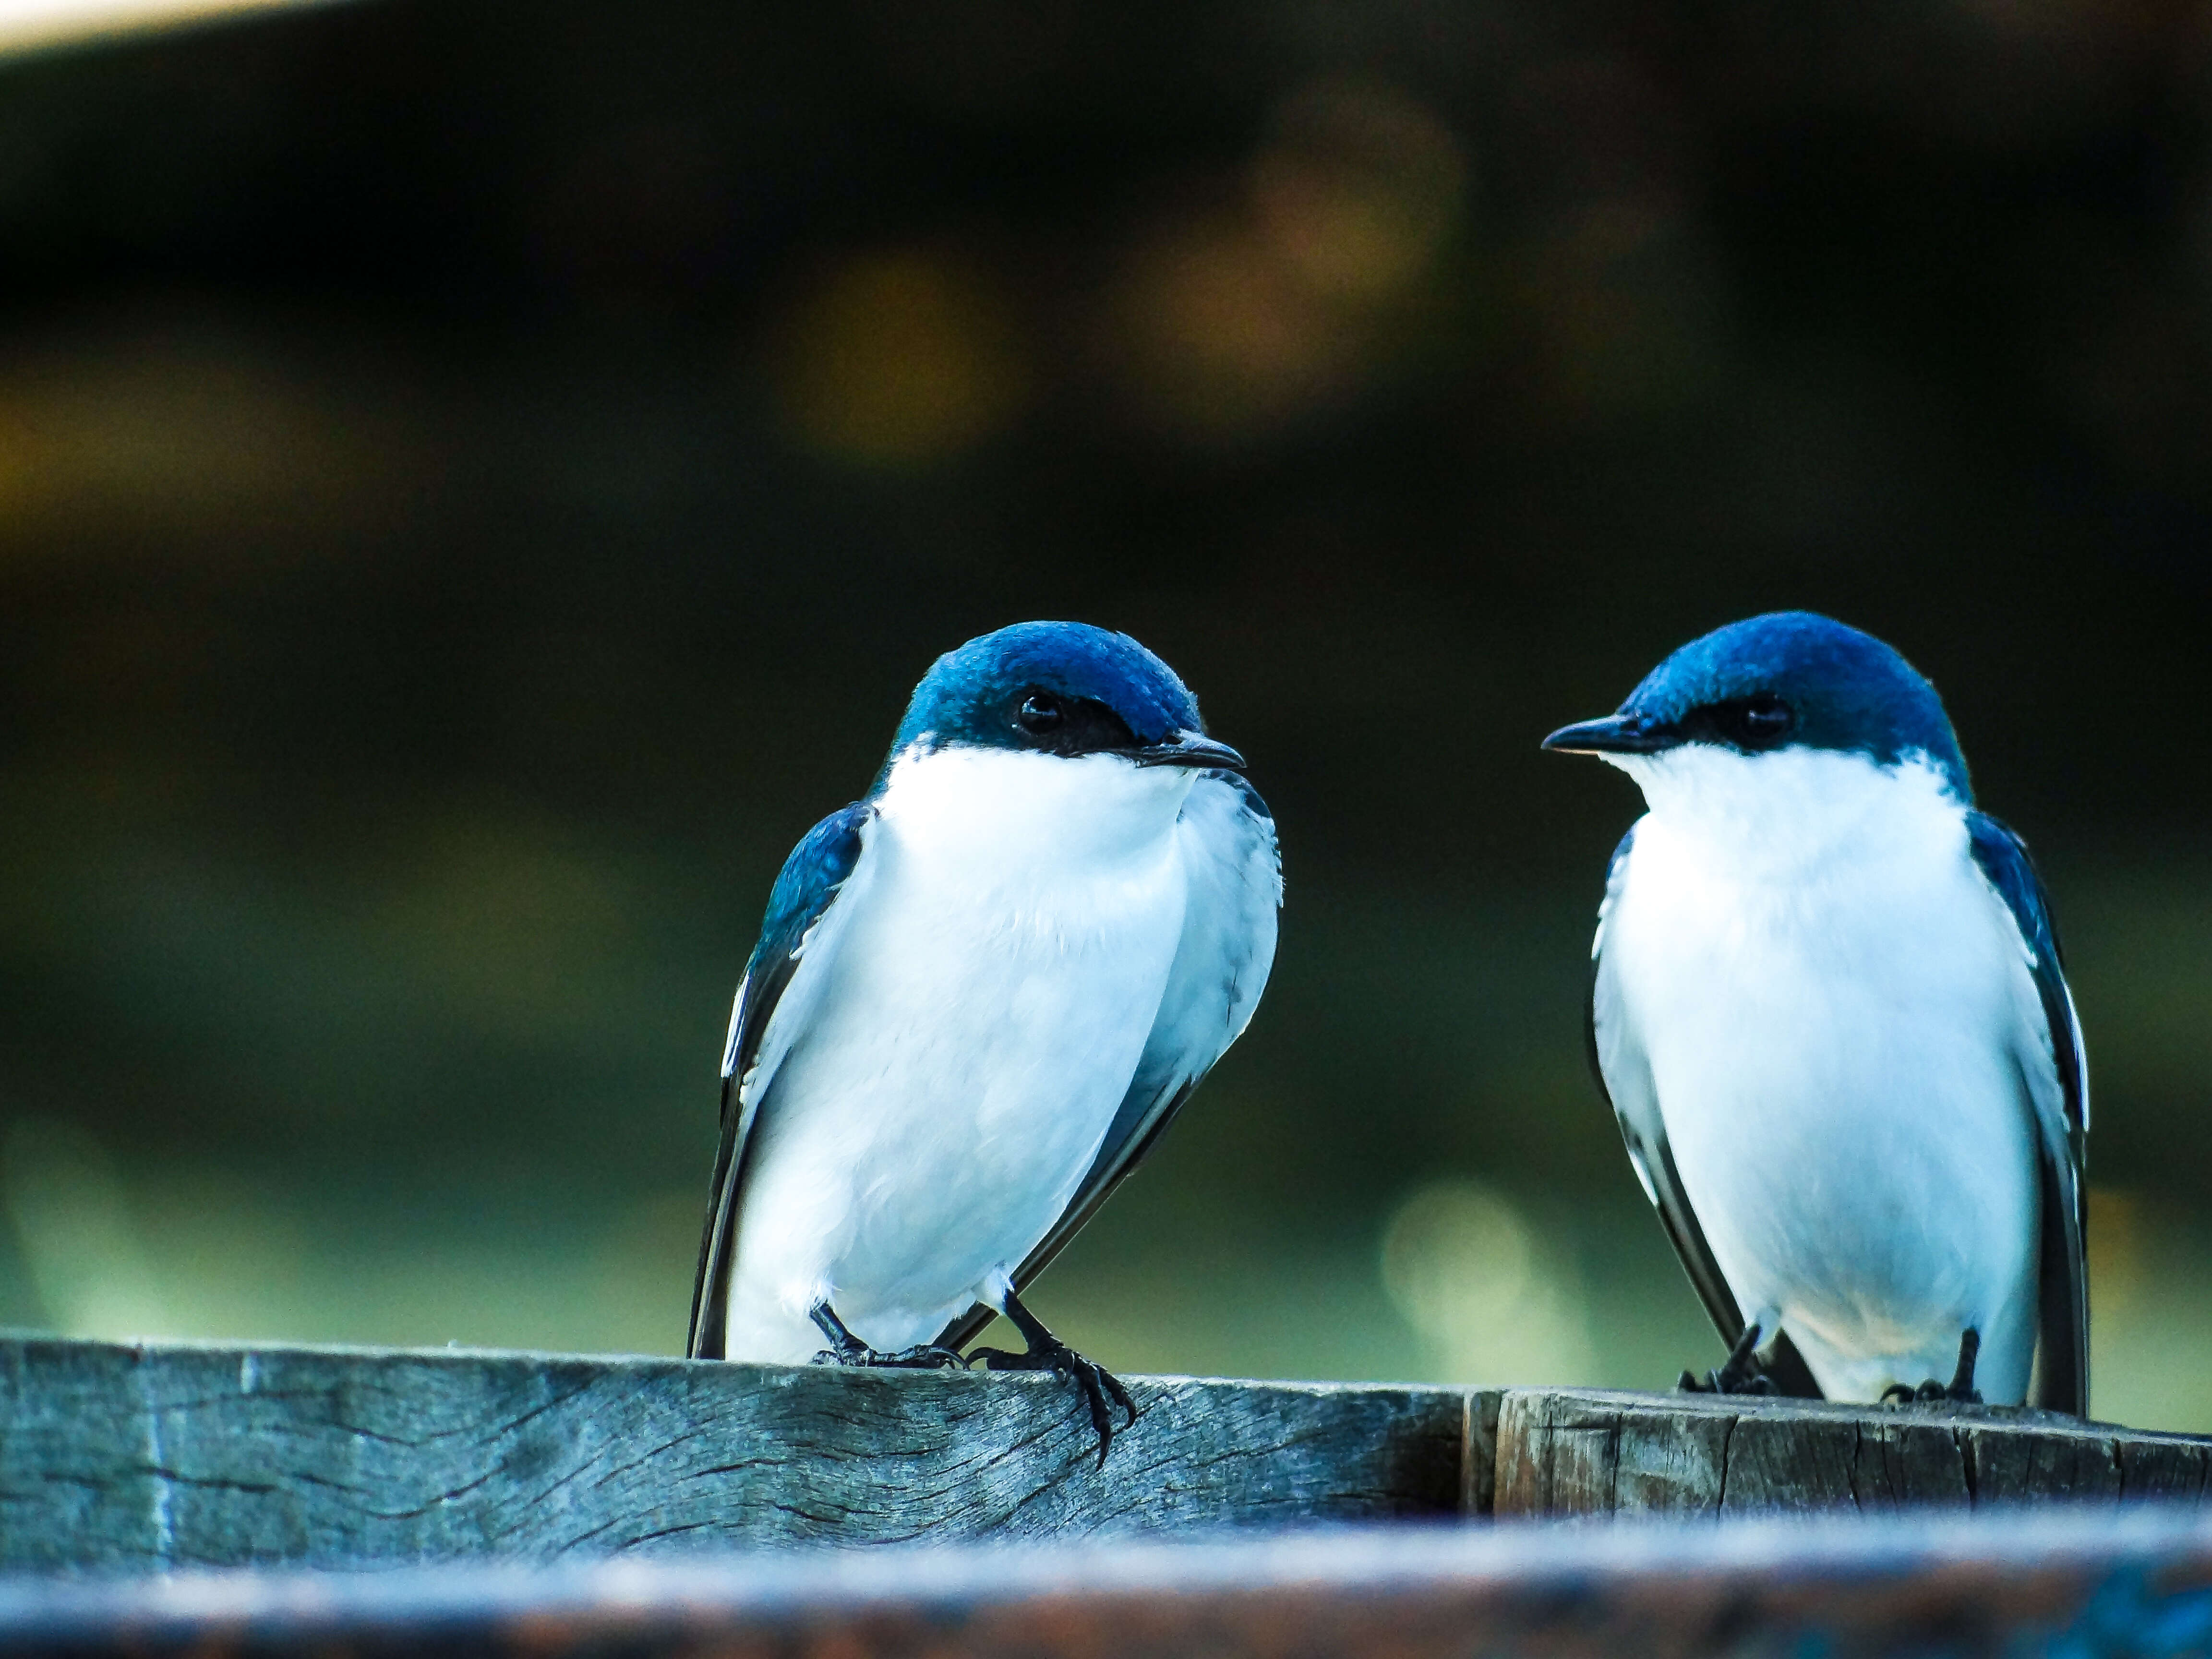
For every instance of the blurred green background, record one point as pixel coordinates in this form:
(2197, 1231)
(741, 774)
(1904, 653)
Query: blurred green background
(477, 480)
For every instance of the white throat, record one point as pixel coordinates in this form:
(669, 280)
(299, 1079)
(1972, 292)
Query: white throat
(1774, 814)
(972, 803)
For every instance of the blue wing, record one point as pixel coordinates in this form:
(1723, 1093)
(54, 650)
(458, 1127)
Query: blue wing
(2062, 1104)
(1220, 968)
(1623, 1078)
(812, 877)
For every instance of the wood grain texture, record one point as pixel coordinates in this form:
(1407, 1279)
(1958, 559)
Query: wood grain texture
(158, 1456)
(1577, 1452)
(116, 1456)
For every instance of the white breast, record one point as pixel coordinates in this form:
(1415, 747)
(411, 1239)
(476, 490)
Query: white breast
(997, 959)
(1833, 1003)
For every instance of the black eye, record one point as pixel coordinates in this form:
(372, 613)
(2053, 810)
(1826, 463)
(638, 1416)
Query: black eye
(1040, 712)
(1762, 721)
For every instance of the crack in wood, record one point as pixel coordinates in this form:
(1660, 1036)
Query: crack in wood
(115, 1457)
(126, 1456)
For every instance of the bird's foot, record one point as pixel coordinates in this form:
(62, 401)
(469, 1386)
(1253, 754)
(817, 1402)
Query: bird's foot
(923, 1355)
(1047, 1352)
(1959, 1391)
(1098, 1384)
(1739, 1374)
(847, 1349)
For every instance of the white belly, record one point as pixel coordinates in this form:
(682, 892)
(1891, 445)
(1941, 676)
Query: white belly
(1836, 1058)
(984, 1014)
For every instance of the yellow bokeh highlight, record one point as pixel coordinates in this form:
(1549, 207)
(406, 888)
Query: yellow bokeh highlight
(900, 359)
(1237, 317)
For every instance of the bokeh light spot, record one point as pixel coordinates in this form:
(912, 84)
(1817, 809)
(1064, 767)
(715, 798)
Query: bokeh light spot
(1469, 1272)
(73, 1223)
(1359, 189)
(1235, 316)
(901, 359)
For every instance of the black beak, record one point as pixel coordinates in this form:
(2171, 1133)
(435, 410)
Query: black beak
(1616, 734)
(1190, 748)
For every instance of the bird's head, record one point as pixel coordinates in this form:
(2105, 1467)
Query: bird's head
(1060, 689)
(1789, 681)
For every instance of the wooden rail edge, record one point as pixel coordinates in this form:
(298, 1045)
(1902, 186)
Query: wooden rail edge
(157, 1455)
(123, 1457)
(1580, 1451)
(2053, 1584)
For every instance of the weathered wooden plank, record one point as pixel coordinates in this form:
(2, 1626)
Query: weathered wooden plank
(1778, 1464)
(2050, 1586)
(2167, 1467)
(1478, 1488)
(162, 1455)
(2056, 1463)
(1657, 1473)
(1563, 1451)
(1902, 1462)
(169, 1455)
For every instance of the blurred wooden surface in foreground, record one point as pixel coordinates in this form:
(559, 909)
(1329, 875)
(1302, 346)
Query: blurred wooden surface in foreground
(2067, 1586)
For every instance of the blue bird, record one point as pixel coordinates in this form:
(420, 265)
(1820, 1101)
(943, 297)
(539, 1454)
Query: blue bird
(1828, 1010)
(979, 996)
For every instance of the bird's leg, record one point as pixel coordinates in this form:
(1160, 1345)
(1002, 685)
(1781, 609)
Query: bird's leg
(1962, 1387)
(1739, 1374)
(1047, 1352)
(847, 1349)
(1960, 1391)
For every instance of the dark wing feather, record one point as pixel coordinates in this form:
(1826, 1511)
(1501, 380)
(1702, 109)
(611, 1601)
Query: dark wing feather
(1624, 1077)
(1220, 968)
(2061, 1379)
(810, 881)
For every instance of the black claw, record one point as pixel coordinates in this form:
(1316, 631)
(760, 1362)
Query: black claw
(1742, 1366)
(1047, 1352)
(1097, 1384)
(926, 1353)
(847, 1349)
(1959, 1391)
(922, 1357)
(1739, 1374)
(1120, 1395)
(1087, 1376)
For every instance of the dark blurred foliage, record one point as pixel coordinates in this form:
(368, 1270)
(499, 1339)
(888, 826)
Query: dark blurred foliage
(476, 481)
